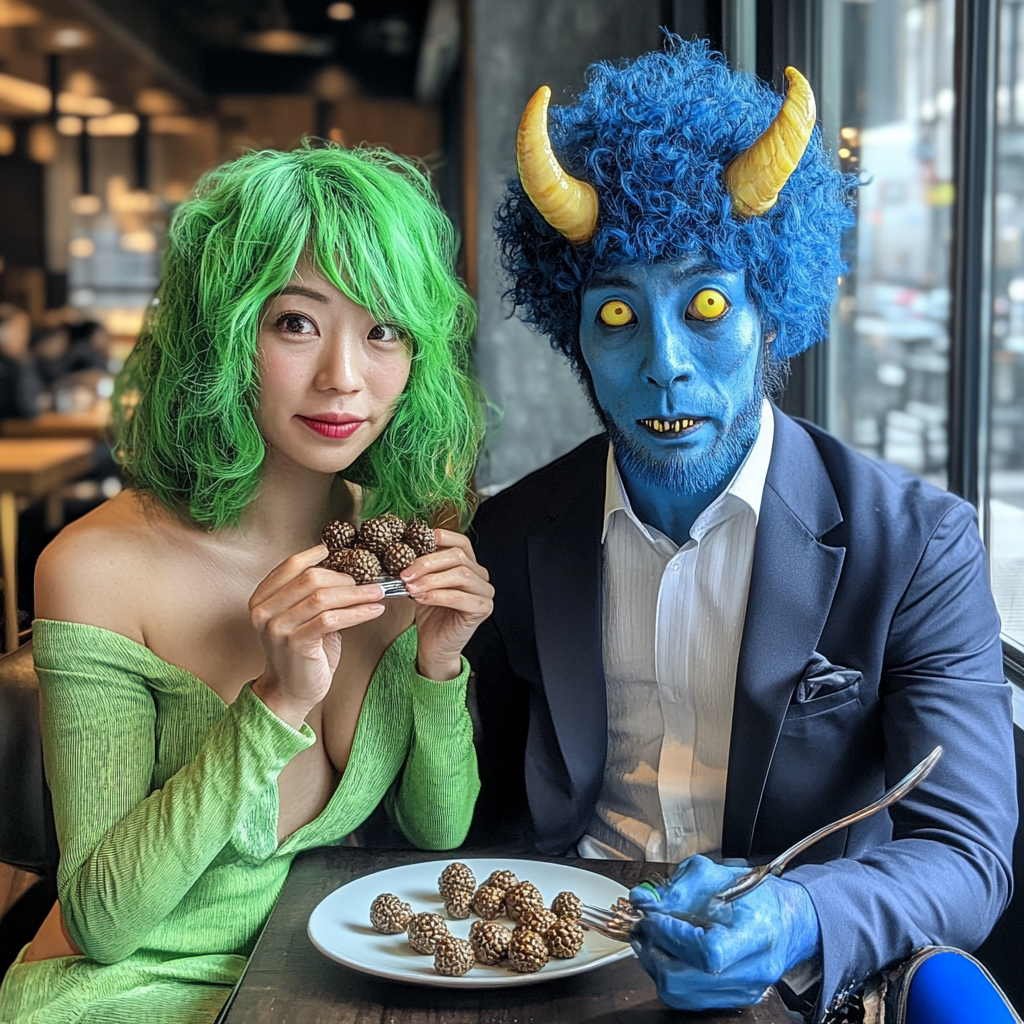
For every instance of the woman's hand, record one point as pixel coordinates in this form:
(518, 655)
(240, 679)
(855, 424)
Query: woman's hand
(298, 611)
(454, 597)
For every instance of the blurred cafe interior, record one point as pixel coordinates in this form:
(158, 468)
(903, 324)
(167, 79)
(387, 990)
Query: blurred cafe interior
(111, 109)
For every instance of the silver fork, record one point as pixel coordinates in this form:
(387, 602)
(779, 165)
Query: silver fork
(623, 917)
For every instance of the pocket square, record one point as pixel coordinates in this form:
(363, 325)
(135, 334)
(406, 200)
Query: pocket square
(822, 677)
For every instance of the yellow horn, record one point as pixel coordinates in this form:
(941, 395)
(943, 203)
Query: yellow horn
(756, 176)
(566, 203)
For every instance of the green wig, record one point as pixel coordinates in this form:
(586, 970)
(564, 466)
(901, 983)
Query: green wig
(184, 404)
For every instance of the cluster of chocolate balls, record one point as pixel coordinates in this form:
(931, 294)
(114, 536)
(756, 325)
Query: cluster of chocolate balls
(538, 933)
(381, 547)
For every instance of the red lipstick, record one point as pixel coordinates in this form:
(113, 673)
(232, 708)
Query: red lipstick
(333, 425)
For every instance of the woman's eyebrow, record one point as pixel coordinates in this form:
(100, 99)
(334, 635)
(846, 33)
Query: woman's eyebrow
(309, 293)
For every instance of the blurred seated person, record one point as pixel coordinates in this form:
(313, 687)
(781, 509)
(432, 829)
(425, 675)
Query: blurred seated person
(88, 347)
(68, 348)
(49, 347)
(20, 383)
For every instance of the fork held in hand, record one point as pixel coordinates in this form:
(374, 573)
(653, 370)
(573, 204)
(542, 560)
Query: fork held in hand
(620, 920)
(752, 879)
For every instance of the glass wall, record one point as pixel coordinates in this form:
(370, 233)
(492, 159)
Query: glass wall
(889, 343)
(887, 366)
(1006, 437)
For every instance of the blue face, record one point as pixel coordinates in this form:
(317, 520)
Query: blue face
(673, 351)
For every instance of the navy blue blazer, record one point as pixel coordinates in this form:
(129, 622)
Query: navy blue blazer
(870, 637)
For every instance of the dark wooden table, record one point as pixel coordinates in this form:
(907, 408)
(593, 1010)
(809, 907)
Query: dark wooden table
(288, 981)
(92, 424)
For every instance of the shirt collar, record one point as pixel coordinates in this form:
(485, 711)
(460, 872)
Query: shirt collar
(747, 483)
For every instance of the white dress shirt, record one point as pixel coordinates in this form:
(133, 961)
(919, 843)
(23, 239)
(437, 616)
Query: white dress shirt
(672, 622)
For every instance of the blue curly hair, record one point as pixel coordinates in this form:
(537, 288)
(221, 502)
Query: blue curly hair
(653, 136)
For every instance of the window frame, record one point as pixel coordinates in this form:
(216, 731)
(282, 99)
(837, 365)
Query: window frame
(970, 371)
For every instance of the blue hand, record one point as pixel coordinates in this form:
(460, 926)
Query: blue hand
(748, 946)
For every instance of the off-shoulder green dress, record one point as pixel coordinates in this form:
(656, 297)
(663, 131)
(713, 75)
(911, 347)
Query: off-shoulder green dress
(165, 801)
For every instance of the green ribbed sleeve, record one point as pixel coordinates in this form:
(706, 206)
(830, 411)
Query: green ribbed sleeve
(130, 853)
(166, 805)
(434, 805)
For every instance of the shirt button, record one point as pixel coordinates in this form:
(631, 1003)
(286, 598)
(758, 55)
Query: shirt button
(678, 830)
(675, 567)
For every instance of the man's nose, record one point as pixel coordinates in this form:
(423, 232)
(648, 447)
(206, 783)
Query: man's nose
(339, 367)
(668, 358)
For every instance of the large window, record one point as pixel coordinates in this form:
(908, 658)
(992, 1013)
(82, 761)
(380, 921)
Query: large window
(888, 358)
(886, 380)
(1006, 435)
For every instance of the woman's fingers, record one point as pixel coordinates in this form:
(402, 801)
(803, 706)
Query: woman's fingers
(458, 588)
(457, 600)
(453, 550)
(454, 597)
(297, 634)
(295, 580)
(459, 577)
(287, 571)
(310, 596)
(451, 539)
(450, 577)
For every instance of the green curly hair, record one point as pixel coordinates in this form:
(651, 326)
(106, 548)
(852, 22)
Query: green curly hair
(185, 429)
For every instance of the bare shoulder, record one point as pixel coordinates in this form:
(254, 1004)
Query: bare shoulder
(95, 570)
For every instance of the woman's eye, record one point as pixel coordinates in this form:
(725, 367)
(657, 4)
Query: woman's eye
(707, 304)
(295, 323)
(379, 332)
(616, 313)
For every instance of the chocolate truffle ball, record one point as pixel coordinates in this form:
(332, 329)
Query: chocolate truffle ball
(453, 957)
(522, 897)
(489, 902)
(388, 914)
(396, 557)
(564, 939)
(567, 904)
(424, 930)
(490, 941)
(362, 566)
(458, 903)
(537, 919)
(376, 534)
(338, 535)
(527, 951)
(456, 877)
(420, 537)
(503, 880)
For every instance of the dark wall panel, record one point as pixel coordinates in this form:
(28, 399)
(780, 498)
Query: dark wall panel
(516, 48)
(22, 241)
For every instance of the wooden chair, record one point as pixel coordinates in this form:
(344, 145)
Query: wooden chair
(28, 841)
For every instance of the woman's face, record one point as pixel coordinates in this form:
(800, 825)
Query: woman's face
(329, 373)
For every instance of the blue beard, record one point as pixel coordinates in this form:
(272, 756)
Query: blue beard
(682, 474)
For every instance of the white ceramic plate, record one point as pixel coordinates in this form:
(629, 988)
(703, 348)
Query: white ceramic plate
(340, 925)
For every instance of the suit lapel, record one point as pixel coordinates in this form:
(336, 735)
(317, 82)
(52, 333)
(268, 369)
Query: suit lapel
(793, 580)
(564, 559)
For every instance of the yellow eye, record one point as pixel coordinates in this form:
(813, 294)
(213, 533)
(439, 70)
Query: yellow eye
(615, 313)
(707, 304)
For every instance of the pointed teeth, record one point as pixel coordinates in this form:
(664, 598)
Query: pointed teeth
(668, 426)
